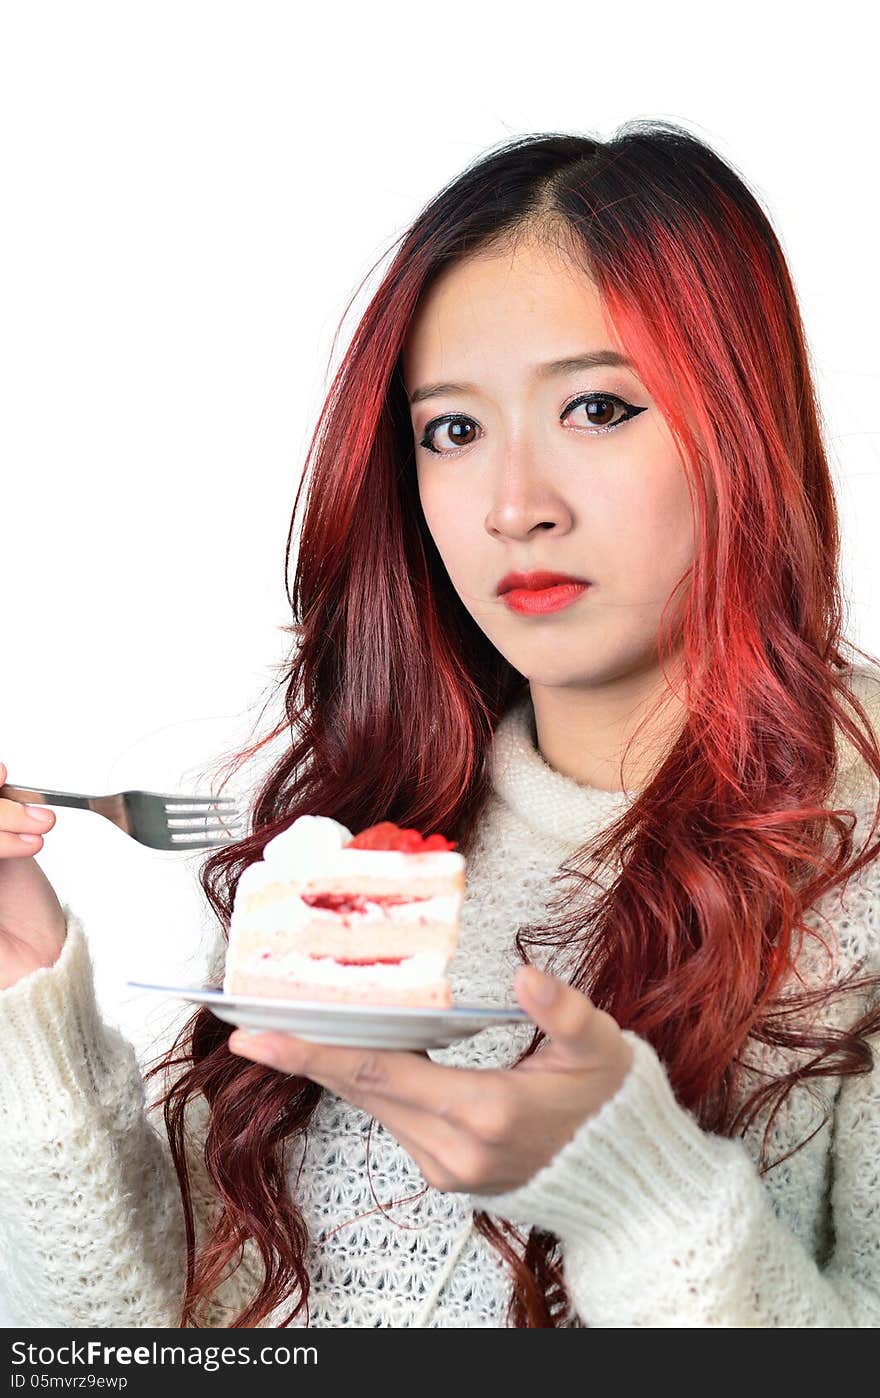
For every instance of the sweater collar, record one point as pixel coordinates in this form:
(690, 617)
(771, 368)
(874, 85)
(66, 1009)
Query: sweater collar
(547, 801)
(562, 809)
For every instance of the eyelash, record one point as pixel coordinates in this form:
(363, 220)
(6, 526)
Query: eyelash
(630, 410)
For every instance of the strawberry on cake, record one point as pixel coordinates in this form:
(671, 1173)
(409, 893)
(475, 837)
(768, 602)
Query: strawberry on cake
(326, 915)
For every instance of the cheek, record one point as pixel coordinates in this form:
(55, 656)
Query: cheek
(449, 523)
(651, 524)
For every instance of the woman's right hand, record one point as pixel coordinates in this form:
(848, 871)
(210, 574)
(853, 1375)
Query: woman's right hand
(32, 923)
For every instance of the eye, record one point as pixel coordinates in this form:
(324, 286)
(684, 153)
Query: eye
(452, 420)
(601, 408)
(605, 405)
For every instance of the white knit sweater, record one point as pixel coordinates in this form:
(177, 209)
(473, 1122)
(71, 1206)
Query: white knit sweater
(661, 1223)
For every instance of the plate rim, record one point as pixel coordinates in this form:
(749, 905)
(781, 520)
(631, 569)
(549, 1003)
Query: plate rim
(217, 994)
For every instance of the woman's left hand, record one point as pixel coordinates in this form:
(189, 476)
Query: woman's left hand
(481, 1131)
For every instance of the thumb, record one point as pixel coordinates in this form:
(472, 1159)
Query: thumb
(565, 1014)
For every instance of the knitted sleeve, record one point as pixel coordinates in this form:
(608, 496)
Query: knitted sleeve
(91, 1221)
(663, 1224)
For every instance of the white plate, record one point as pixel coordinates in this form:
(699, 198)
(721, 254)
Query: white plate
(358, 1026)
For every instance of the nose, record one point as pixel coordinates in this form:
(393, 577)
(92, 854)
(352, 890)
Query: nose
(525, 502)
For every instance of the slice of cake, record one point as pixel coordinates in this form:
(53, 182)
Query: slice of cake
(366, 919)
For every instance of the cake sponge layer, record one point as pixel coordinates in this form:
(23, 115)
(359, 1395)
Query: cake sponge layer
(412, 980)
(357, 884)
(320, 917)
(433, 996)
(337, 940)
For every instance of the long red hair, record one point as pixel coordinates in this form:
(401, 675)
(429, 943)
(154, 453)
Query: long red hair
(392, 692)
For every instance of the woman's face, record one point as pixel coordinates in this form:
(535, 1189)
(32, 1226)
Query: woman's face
(525, 478)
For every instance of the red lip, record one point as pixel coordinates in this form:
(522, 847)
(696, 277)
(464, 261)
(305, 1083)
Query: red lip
(534, 581)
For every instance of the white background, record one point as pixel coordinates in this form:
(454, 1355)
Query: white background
(191, 193)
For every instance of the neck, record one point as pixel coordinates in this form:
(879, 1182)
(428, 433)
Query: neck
(583, 731)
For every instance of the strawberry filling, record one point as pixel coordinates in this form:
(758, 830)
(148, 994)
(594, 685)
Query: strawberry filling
(354, 902)
(350, 960)
(368, 960)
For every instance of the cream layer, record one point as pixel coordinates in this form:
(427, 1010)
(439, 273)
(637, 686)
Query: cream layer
(323, 970)
(338, 864)
(290, 913)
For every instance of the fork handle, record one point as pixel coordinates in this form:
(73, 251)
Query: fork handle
(40, 796)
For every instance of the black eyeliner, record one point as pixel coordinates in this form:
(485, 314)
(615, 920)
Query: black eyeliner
(630, 411)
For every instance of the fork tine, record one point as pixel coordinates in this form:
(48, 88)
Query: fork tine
(180, 842)
(202, 829)
(175, 802)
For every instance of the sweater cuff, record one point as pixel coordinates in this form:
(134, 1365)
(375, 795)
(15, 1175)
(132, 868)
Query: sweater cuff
(641, 1166)
(57, 1053)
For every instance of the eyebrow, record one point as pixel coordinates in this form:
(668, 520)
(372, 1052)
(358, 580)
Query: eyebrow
(594, 359)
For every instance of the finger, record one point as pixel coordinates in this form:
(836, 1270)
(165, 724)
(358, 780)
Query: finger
(576, 1027)
(367, 1077)
(16, 816)
(22, 827)
(437, 1147)
(453, 1159)
(425, 1136)
(427, 1154)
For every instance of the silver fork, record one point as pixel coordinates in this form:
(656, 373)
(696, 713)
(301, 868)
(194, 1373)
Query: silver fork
(156, 819)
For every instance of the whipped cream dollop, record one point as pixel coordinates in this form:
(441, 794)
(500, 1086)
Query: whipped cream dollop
(310, 842)
(313, 848)
(316, 845)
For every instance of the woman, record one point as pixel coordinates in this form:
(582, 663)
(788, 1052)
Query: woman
(585, 357)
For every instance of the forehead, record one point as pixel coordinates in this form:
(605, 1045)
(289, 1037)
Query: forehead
(530, 301)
